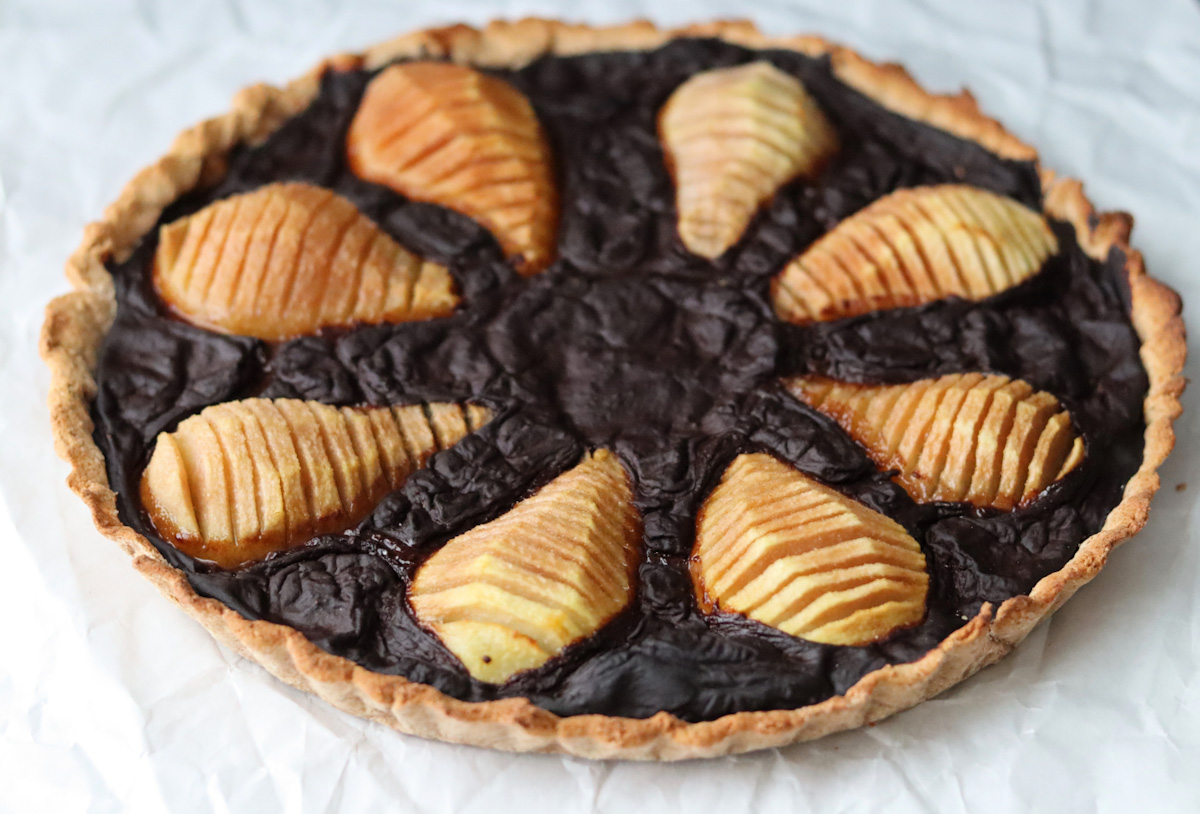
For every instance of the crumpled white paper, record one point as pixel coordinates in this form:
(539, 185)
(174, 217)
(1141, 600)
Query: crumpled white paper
(111, 699)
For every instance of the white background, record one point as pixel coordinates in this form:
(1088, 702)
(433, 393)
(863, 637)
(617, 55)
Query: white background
(111, 699)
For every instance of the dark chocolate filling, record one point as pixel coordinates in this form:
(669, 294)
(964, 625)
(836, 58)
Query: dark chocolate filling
(629, 342)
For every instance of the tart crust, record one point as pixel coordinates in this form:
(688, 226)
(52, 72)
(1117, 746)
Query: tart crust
(77, 322)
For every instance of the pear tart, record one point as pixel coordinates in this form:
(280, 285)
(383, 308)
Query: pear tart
(615, 391)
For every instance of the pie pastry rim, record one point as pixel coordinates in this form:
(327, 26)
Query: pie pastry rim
(76, 323)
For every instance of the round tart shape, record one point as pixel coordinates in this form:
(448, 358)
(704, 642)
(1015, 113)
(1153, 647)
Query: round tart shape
(581, 432)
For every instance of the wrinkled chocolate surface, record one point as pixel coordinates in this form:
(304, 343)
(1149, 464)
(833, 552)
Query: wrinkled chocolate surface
(629, 342)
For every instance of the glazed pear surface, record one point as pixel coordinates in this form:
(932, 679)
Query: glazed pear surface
(912, 247)
(987, 440)
(510, 594)
(454, 136)
(781, 548)
(245, 479)
(732, 137)
(289, 259)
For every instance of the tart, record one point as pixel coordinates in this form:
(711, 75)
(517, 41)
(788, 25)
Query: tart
(620, 392)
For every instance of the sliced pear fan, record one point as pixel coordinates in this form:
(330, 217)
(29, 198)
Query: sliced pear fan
(987, 440)
(510, 594)
(912, 247)
(288, 259)
(732, 137)
(459, 138)
(248, 478)
(784, 550)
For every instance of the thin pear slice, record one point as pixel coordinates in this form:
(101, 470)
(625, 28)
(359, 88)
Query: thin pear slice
(732, 137)
(915, 246)
(454, 136)
(988, 440)
(784, 550)
(289, 259)
(509, 595)
(245, 479)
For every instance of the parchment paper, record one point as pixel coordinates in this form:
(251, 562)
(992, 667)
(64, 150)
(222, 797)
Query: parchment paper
(113, 700)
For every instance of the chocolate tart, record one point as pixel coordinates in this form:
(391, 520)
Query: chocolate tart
(613, 391)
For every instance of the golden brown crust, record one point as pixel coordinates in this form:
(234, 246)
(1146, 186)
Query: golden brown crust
(76, 322)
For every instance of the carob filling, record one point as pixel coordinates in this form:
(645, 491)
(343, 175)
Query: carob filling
(629, 342)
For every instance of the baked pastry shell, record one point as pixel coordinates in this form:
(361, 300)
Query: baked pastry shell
(77, 322)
